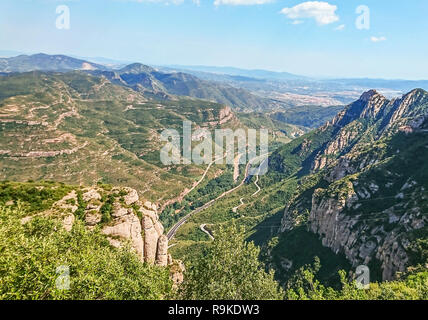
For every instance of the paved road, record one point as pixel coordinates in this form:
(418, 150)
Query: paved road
(171, 233)
(185, 193)
(258, 187)
(235, 209)
(202, 227)
(205, 173)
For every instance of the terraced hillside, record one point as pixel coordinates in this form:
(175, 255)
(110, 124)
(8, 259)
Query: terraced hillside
(80, 129)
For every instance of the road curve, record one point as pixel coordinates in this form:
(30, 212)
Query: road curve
(171, 233)
(202, 227)
(258, 187)
(235, 209)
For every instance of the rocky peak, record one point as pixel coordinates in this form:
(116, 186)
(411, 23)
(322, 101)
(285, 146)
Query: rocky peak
(380, 117)
(368, 95)
(368, 105)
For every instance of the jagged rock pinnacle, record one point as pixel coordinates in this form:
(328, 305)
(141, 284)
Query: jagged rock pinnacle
(366, 96)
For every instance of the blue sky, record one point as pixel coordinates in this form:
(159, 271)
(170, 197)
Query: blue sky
(316, 39)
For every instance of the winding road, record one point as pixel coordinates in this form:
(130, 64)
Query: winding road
(171, 233)
(258, 187)
(202, 227)
(186, 192)
(235, 209)
(205, 173)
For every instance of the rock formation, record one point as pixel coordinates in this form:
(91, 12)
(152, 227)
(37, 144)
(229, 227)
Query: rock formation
(130, 220)
(358, 165)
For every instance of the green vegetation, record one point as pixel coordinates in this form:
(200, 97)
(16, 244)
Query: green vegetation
(31, 254)
(307, 116)
(230, 269)
(90, 130)
(107, 209)
(304, 286)
(81, 206)
(36, 196)
(204, 193)
(227, 268)
(281, 131)
(301, 248)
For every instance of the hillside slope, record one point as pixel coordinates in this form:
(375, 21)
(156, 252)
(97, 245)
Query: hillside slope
(80, 129)
(362, 184)
(163, 85)
(110, 242)
(44, 62)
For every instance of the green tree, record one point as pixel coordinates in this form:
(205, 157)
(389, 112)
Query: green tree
(30, 254)
(413, 286)
(230, 269)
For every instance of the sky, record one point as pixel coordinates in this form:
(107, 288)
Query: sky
(312, 38)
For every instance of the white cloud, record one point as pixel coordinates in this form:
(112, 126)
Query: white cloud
(323, 12)
(240, 2)
(340, 28)
(297, 22)
(377, 39)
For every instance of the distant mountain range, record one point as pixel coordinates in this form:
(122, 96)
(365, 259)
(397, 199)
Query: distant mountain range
(142, 78)
(299, 90)
(255, 73)
(41, 61)
(245, 90)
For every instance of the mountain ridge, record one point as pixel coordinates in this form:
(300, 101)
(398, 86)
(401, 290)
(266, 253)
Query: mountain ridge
(44, 62)
(363, 190)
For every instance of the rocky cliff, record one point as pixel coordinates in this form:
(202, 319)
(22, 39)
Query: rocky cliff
(370, 118)
(122, 217)
(368, 197)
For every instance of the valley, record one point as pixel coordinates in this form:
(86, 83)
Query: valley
(80, 147)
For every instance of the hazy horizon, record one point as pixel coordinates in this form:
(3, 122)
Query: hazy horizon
(327, 39)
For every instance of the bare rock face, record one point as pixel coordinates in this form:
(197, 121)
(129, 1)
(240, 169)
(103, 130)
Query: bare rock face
(147, 205)
(131, 197)
(91, 194)
(150, 239)
(92, 218)
(363, 242)
(68, 222)
(147, 237)
(128, 227)
(146, 234)
(361, 166)
(114, 242)
(176, 271)
(162, 254)
(119, 211)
